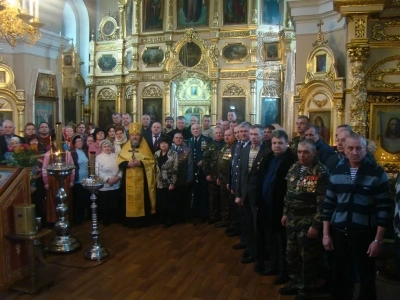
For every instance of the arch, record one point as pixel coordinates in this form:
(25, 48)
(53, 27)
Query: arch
(81, 17)
(234, 90)
(152, 91)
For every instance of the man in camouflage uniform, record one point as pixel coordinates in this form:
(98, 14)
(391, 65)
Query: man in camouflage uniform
(301, 124)
(210, 168)
(224, 162)
(307, 181)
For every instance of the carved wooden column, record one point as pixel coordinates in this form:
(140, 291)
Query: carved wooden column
(214, 101)
(167, 99)
(358, 54)
(253, 101)
(134, 112)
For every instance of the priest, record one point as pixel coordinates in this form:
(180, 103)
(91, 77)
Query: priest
(138, 183)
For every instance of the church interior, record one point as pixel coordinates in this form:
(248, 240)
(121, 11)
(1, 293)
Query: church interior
(335, 61)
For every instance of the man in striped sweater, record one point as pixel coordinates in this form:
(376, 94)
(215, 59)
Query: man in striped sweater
(356, 213)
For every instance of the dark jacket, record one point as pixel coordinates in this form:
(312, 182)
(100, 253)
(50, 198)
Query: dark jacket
(274, 208)
(75, 159)
(324, 151)
(149, 140)
(248, 180)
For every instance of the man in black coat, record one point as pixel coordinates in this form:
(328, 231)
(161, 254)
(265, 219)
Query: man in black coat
(8, 128)
(323, 150)
(246, 190)
(153, 138)
(272, 186)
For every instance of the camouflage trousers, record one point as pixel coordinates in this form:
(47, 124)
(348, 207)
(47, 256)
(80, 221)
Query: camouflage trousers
(302, 257)
(214, 201)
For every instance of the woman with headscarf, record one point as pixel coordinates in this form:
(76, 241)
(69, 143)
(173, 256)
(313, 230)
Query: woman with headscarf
(109, 197)
(166, 176)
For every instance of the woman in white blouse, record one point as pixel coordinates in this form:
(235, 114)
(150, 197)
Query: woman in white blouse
(109, 198)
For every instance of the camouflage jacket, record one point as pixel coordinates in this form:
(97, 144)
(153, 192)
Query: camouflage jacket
(294, 143)
(305, 195)
(224, 163)
(210, 159)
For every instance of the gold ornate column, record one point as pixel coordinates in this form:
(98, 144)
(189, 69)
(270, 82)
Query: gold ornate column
(91, 104)
(167, 99)
(134, 112)
(253, 101)
(358, 54)
(121, 6)
(214, 101)
(254, 12)
(118, 102)
(136, 16)
(170, 13)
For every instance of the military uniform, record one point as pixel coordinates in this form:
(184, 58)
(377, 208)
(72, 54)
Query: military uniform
(224, 163)
(294, 143)
(200, 191)
(210, 167)
(303, 206)
(183, 185)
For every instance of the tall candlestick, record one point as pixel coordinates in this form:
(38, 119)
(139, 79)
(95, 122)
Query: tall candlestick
(92, 160)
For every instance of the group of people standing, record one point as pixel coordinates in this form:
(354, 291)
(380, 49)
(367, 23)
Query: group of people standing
(281, 197)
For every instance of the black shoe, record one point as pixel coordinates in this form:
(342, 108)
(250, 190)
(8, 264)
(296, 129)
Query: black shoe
(268, 272)
(212, 221)
(247, 260)
(281, 279)
(221, 224)
(288, 290)
(239, 246)
(245, 253)
(323, 289)
(167, 224)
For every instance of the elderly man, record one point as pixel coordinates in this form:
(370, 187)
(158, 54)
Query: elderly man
(225, 125)
(138, 182)
(8, 128)
(302, 215)
(224, 163)
(323, 149)
(356, 212)
(183, 185)
(246, 189)
(117, 119)
(301, 124)
(210, 167)
(198, 144)
(338, 158)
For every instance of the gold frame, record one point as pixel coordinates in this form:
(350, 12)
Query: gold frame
(152, 65)
(331, 122)
(378, 125)
(267, 45)
(235, 61)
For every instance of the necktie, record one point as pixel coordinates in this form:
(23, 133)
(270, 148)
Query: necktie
(155, 145)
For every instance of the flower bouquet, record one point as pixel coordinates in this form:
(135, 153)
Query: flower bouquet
(25, 155)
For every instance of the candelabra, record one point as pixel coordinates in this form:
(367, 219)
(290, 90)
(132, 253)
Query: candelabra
(63, 242)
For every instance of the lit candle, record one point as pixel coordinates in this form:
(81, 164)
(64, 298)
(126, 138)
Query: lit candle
(58, 131)
(92, 159)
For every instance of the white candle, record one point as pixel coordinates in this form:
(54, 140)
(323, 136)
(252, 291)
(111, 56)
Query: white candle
(37, 9)
(23, 5)
(31, 7)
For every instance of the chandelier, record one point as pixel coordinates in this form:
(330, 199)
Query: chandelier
(19, 21)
